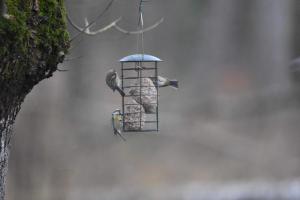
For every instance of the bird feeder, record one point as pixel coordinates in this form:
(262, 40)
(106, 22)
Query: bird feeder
(139, 75)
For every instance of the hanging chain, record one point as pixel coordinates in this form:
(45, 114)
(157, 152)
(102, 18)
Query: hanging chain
(141, 27)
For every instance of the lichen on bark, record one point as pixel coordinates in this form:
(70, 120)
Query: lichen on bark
(33, 41)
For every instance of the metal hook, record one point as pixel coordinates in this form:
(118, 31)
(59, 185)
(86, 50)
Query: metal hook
(141, 21)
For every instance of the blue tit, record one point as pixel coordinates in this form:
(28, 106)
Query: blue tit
(114, 82)
(164, 82)
(117, 123)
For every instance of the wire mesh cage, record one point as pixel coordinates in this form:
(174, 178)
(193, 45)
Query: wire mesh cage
(139, 75)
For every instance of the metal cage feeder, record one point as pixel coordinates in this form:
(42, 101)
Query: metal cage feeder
(139, 75)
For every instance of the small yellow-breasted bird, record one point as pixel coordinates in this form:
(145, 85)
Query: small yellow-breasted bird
(117, 123)
(114, 82)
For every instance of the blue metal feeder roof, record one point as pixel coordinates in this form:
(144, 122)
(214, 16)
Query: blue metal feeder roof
(140, 58)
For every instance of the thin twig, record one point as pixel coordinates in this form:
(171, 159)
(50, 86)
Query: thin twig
(94, 21)
(73, 46)
(104, 28)
(72, 58)
(113, 24)
(86, 29)
(139, 31)
(62, 70)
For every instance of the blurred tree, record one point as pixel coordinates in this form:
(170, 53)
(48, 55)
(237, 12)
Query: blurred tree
(295, 39)
(33, 41)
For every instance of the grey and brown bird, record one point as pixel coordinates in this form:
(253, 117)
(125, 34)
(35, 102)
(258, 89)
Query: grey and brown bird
(114, 82)
(164, 82)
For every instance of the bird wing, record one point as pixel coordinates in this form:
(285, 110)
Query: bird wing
(118, 132)
(109, 81)
(117, 119)
(113, 122)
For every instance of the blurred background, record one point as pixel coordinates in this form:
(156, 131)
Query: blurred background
(231, 131)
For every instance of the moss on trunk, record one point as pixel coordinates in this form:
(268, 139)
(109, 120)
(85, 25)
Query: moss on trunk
(33, 41)
(30, 39)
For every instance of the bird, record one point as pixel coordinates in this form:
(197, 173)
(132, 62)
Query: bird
(164, 82)
(113, 81)
(117, 123)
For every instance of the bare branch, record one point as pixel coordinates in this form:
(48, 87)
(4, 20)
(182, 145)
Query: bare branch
(94, 21)
(139, 31)
(113, 24)
(78, 28)
(62, 70)
(73, 58)
(87, 30)
(73, 46)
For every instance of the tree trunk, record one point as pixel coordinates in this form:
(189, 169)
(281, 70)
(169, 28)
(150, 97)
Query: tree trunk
(33, 41)
(6, 124)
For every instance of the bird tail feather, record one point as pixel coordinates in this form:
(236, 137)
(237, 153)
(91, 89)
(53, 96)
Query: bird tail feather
(117, 132)
(174, 84)
(121, 91)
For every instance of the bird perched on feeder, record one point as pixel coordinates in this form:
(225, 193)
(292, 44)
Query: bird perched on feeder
(113, 81)
(164, 82)
(117, 123)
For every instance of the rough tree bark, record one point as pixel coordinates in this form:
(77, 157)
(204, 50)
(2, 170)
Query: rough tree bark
(33, 41)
